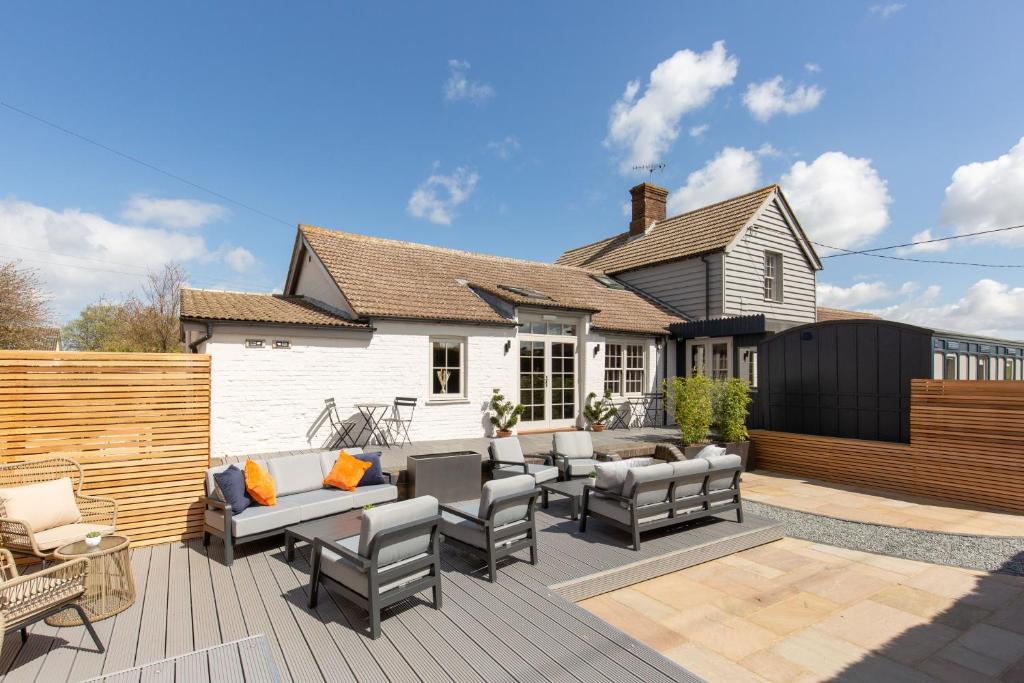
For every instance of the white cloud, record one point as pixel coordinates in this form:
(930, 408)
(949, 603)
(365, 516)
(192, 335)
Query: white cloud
(987, 307)
(812, 68)
(171, 213)
(504, 149)
(886, 10)
(923, 236)
(699, 131)
(437, 196)
(459, 87)
(988, 194)
(239, 259)
(856, 295)
(839, 200)
(734, 171)
(765, 100)
(768, 150)
(646, 127)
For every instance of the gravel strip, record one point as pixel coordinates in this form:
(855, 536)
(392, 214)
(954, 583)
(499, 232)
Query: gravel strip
(1003, 554)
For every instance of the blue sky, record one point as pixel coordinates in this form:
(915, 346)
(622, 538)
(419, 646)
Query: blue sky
(506, 129)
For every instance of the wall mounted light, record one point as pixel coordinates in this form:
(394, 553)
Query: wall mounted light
(597, 349)
(508, 345)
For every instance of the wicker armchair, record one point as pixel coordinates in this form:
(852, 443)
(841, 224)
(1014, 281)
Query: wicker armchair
(98, 514)
(26, 599)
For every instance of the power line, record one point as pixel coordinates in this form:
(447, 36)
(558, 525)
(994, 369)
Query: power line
(146, 164)
(848, 252)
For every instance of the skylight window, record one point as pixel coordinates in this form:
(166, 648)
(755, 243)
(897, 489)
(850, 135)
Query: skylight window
(525, 292)
(609, 282)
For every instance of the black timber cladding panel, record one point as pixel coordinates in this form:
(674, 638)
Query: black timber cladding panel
(848, 378)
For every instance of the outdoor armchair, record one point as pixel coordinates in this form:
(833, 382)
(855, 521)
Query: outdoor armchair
(499, 524)
(17, 535)
(507, 460)
(396, 555)
(574, 454)
(26, 599)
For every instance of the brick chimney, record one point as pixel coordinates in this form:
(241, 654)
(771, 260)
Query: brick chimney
(648, 206)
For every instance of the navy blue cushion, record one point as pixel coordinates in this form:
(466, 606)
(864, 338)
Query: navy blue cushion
(231, 483)
(373, 475)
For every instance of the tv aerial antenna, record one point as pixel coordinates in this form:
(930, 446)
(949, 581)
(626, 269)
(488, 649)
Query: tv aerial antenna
(650, 169)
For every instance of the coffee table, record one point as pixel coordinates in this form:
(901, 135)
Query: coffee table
(333, 528)
(571, 489)
(109, 586)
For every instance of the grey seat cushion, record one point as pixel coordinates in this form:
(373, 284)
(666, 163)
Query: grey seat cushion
(611, 508)
(322, 502)
(540, 473)
(689, 467)
(573, 444)
(710, 450)
(470, 533)
(296, 473)
(578, 467)
(396, 514)
(651, 473)
(375, 494)
(499, 488)
(611, 475)
(347, 574)
(257, 518)
(508, 449)
(722, 462)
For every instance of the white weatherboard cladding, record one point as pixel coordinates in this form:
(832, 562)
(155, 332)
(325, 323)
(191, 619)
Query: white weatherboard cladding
(743, 286)
(682, 284)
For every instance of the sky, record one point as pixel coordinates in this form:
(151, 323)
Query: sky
(512, 129)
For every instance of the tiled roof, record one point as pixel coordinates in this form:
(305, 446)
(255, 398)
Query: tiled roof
(205, 304)
(825, 314)
(701, 231)
(391, 279)
(36, 339)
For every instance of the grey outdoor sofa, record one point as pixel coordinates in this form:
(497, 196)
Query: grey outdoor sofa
(663, 494)
(396, 555)
(574, 455)
(301, 497)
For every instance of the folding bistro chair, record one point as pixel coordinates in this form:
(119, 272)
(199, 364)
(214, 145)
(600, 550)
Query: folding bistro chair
(622, 417)
(342, 428)
(401, 419)
(653, 409)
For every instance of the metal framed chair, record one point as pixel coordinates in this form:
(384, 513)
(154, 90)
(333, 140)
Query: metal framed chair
(622, 417)
(98, 514)
(342, 429)
(507, 460)
(654, 408)
(396, 555)
(397, 425)
(27, 599)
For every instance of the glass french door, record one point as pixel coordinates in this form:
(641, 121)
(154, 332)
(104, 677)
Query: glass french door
(709, 357)
(547, 382)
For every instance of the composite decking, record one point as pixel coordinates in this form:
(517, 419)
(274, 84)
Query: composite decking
(523, 628)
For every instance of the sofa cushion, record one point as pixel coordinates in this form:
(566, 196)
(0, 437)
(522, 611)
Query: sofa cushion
(257, 518)
(328, 458)
(296, 473)
(259, 484)
(499, 488)
(43, 505)
(710, 450)
(389, 516)
(374, 475)
(353, 577)
(231, 485)
(375, 494)
(453, 526)
(507, 450)
(347, 472)
(578, 467)
(322, 502)
(642, 475)
(611, 508)
(727, 462)
(611, 475)
(689, 467)
(52, 539)
(573, 444)
(540, 473)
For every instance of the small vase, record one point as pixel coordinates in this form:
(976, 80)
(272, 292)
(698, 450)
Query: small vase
(503, 433)
(93, 541)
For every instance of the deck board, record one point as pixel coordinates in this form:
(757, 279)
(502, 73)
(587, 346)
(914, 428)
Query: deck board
(524, 627)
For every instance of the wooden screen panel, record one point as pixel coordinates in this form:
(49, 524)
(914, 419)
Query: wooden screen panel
(966, 446)
(139, 423)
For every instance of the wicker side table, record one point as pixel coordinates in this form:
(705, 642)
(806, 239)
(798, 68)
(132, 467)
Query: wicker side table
(109, 586)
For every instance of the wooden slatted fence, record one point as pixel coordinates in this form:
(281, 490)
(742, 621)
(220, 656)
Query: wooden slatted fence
(139, 423)
(966, 445)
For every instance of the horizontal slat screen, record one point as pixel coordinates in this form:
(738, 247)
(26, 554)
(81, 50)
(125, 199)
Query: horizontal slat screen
(139, 424)
(966, 446)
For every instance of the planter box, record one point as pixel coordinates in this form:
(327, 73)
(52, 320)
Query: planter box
(742, 449)
(449, 477)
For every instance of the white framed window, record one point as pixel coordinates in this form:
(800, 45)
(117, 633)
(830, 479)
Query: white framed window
(1008, 369)
(709, 357)
(982, 367)
(772, 276)
(624, 369)
(447, 368)
(949, 371)
(748, 364)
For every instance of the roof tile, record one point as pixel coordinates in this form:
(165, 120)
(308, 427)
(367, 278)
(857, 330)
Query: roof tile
(205, 304)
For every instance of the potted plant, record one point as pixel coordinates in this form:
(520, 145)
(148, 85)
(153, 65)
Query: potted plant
(731, 403)
(368, 506)
(504, 414)
(689, 398)
(93, 538)
(598, 412)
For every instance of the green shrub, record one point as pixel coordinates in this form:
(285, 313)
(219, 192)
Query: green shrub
(598, 412)
(731, 398)
(504, 414)
(689, 399)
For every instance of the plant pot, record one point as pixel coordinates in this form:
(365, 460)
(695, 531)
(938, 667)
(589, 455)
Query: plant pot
(597, 427)
(503, 433)
(740, 448)
(93, 541)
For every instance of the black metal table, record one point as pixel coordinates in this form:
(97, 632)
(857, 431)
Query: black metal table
(372, 414)
(571, 489)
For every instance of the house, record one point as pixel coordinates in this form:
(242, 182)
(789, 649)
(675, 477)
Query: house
(364, 319)
(35, 339)
(740, 270)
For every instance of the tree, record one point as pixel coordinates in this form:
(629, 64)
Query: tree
(151, 323)
(97, 328)
(24, 307)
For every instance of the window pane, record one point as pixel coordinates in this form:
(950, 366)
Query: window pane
(538, 328)
(554, 328)
(436, 388)
(438, 354)
(454, 381)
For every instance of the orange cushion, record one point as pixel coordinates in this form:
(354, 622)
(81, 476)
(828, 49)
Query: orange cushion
(347, 472)
(259, 484)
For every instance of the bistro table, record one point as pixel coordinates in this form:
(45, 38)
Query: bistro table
(372, 414)
(109, 586)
